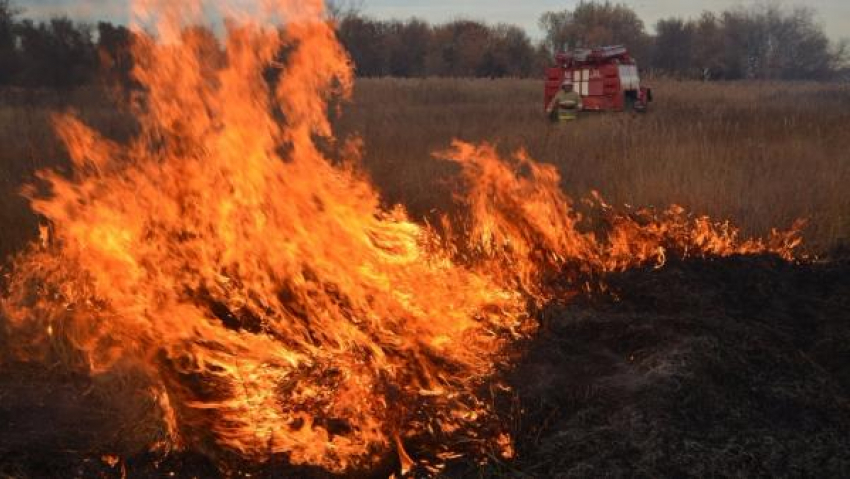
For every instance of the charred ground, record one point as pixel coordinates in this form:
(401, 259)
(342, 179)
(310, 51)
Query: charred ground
(734, 367)
(725, 367)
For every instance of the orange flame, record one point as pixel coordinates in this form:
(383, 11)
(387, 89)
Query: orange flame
(264, 291)
(272, 304)
(520, 223)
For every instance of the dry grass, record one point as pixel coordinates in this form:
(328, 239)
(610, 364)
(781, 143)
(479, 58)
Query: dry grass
(759, 154)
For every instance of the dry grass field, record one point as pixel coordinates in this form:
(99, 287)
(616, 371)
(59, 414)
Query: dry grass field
(734, 367)
(759, 154)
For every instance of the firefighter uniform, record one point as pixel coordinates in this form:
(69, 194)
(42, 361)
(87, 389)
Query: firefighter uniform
(565, 106)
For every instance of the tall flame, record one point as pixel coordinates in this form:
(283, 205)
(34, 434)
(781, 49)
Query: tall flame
(263, 290)
(271, 302)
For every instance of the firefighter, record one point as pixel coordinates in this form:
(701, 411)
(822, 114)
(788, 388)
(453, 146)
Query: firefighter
(566, 104)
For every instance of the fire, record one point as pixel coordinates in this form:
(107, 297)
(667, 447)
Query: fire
(266, 295)
(518, 222)
(272, 304)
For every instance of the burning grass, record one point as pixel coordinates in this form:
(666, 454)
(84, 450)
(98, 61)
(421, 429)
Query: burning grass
(759, 154)
(261, 298)
(271, 306)
(732, 367)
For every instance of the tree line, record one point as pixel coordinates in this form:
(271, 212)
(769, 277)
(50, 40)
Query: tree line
(60, 53)
(765, 41)
(761, 42)
(462, 48)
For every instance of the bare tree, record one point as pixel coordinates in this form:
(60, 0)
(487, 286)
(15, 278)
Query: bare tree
(594, 23)
(8, 57)
(674, 45)
(338, 10)
(557, 26)
(765, 41)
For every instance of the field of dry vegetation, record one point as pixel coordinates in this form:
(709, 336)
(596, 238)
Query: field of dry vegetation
(726, 368)
(759, 154)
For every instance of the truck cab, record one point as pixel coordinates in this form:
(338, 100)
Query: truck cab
(607, 78)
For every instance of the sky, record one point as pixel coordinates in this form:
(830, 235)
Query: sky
(833, 14)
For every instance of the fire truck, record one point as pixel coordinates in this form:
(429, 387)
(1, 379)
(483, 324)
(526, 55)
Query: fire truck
(607, 79)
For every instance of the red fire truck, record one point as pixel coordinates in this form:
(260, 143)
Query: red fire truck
(607, 79)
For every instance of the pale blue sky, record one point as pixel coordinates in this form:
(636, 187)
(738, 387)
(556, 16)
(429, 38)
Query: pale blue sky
(834, 14)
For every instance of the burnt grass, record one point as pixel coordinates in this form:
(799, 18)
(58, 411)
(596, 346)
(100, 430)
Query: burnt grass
(735, 367)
